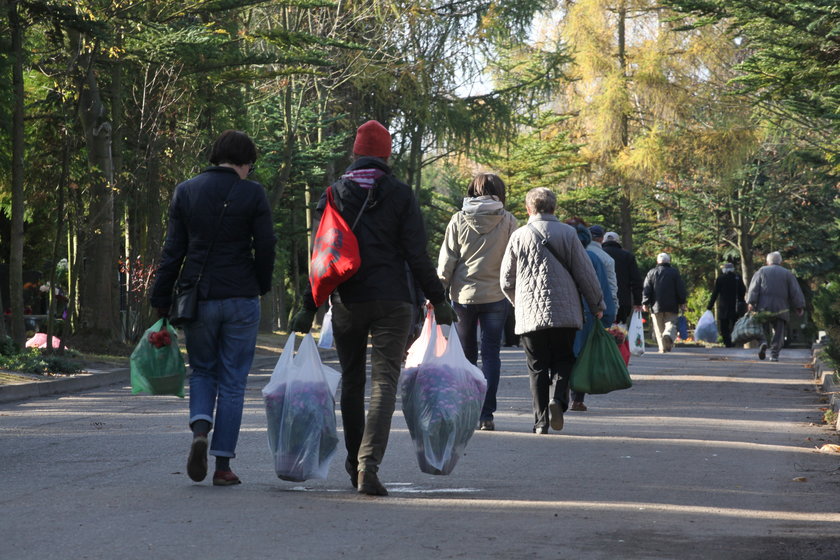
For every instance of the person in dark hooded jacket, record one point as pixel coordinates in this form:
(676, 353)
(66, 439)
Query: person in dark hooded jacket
(729, 293)
(378, 300)
(627, 276)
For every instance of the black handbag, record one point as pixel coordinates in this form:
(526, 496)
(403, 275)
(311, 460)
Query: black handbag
(185, 303)
(185, 307)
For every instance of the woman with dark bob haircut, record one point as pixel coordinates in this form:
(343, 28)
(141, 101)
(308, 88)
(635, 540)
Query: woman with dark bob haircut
(220, 238)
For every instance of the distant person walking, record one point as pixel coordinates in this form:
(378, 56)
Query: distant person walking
(589, 318)
(469, 264)
(544, 272)
(664, 296)
(729, 293)
(627, 276)
(594, 247)
(221, 236)
(377, 302)
(774, 288)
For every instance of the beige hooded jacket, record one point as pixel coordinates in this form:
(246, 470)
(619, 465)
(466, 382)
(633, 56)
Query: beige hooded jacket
(471, 255)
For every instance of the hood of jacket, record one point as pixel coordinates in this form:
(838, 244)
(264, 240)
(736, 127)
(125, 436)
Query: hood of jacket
(482, 213)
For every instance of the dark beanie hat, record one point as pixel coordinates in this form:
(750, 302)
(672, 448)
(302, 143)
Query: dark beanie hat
(597, 232)
(584, 235)
(372, 139)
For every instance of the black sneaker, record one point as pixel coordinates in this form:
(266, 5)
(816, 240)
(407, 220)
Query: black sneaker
(762, 352)
(369, 484)
(486, 425)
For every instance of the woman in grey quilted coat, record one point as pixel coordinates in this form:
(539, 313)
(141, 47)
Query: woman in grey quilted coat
(545, 271)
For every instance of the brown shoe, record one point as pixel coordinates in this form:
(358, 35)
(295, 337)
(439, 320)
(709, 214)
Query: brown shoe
(369, 484)
(225, 478)
(579, 406)
(197, 462)
(667, 342)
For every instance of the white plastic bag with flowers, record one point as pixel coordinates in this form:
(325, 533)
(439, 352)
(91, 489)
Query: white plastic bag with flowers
(300, 409)
(442, 398)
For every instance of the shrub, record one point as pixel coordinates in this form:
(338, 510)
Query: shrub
(33, 360)
(827, 310)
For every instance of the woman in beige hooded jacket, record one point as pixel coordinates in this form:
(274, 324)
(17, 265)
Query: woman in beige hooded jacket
(469, 265)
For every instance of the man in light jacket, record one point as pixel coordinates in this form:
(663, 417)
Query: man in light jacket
(774, 288)
(545, 270)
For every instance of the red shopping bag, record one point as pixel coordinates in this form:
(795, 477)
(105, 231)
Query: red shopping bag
(335, 253)
(624, 350)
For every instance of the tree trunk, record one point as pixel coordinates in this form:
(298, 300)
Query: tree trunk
(16, 250)
(98, 274)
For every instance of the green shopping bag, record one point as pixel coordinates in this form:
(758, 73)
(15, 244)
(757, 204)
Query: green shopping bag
(599, 368)
(157, 367)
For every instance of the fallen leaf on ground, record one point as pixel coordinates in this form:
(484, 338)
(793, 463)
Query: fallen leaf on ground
(830, 448)
(800, 479)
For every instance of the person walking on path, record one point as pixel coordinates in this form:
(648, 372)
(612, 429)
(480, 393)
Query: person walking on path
(377, 301)
(664, 296)
(589, 319)
(469, 264)
(545, 270)
(627, 277)
(774, 288)
(220, 236)
(729, 293)
(597, 233)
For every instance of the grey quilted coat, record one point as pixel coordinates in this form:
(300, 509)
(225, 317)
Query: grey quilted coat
(544, 292)
(774, 288)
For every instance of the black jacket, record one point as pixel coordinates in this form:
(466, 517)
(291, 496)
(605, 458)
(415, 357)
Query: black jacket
(730, 289)
(626, 274)
(392, 240)
(241, 261)
(664, 290)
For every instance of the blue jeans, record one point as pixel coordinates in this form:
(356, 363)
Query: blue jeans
(221, 345)
(491, 317)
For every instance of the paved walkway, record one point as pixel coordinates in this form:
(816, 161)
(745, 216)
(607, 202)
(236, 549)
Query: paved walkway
(712, 454)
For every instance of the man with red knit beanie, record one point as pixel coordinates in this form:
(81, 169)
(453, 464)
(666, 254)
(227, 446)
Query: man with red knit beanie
(378, 300)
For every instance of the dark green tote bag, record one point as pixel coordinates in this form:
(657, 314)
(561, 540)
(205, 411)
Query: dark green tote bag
(599, 368)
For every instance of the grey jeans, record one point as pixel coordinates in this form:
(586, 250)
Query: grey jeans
(388, 324)
(778, 339)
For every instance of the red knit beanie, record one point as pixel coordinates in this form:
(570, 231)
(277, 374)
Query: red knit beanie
(372, 139)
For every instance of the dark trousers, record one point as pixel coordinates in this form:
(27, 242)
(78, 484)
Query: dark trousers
(549, 352)
(778, 339)
(623, 313)
(726, 322)
(388, 324)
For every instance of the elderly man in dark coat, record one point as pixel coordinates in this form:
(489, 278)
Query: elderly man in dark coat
(664, 295)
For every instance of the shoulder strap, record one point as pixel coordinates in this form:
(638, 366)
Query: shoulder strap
(216, 231)
(330, 199)
(544, 242)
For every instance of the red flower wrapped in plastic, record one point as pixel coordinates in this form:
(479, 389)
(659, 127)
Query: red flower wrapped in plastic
(618, 332)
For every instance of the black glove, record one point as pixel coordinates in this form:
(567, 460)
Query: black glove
(444, 314)
(162, 312)
(302, 321)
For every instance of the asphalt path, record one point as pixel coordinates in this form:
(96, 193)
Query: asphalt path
(712, 454)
